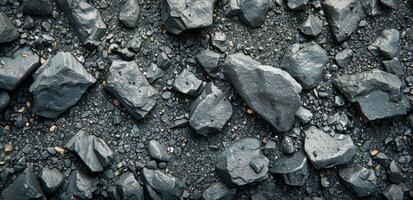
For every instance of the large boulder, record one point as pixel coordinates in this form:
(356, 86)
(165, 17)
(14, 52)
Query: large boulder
(8, 32)
(127, 84)
(271, 92)
(294, 169)
(128, 188)
(387, 44)
(81, 186)
(250, 12)
(37, 7)
(181, 15)
(59, 84)
(162, 186)
(25, 187)
(130, 14)
(360, 180)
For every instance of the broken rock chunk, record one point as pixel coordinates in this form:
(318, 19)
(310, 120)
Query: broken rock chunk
(154, 73)
(187, 83)
(129, 188)
(8, 32)
(392, 4)
(395, 174)
(312, 26)
(219, 41)
(130, 14)
(372, 7)
(157, 151)
(394, 66)
(393, 192)
(294, 169)
(387, 44)
(219, 191)
(344, 58)
(4, 100)
(208, 61)
(250, 12)
(51, 179)
(81, 186)
(297, 4)
(37, 7)
(361, 181)
(25, 187)
(162, 186)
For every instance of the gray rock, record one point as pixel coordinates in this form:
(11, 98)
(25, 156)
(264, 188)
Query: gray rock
(304, 115)
(344, 57)
(25, 187)
(393, 192)
(16, 68)
(325, 151)
(395, 175)
(361, 181)
(297, 5)
(85, 21)
(93, 151)
(343, 17)
(209, 111)
(163, 60)
(219, 191)
(305, 62)
(162, 186)
(219, 41)
(392, 4)
(181, 15)
(37, 7)
(187, 83)
(130, 14)
(387, 44)
(129, 188)
(8, 32)
(372, 7)
(4, 100)
(294, 169)
(312, 26)
(243, 163)
(250, 12)
(157, 151)
(287, 145)
(134, 44)
(128, 85)
(154, 73)
(208, 61)
(59, 84)
(394, 66)
(81, 185)
(51, 179)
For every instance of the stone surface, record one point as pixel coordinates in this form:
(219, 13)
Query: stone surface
(37, 7)
(81, 186)
(294, 169)
(130, 87)
(8, 32)
(154, 73)
(63, 75)
(372, 7)
(250, 12)
(129, 188)
(304, 115)
(208, 60)
(361, 181)
(157, 151)
(297, 5)
(130, 14)
(387, 44)
(4, 100)
(162, 186)
(395, 174)
(25, 187)
(187, 83)
(344, 57)
(254, 81)
(219, 41)
(219, 191)
(287, 145)
(312, 26)
(392, 4)
(393, 192)
(394, 66)
(51, 179)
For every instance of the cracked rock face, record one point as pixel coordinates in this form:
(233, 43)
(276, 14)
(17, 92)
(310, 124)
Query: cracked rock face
(181, 15)
(243, 163)
(294, 168)
(360, 180)
(162, 186)
(59, 84)
(128, 85)
(387, 44)
(129, 188)
(219, 191)
(250, 12)
(130, 14)
(37, 7)
(8, 32)
(81, 186)
(254, 81)
(312, 26)
(25, 187)
(326, 151)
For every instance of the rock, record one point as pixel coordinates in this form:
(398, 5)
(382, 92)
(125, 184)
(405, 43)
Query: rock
(8, 32)
(393, 192)
(219, 41)
(219, 191)
(297, 5)
(343, 17)
(125, 54)
(128, 85)
(37, 7)
(210, 111)
(372, 7)
(4, 100)
(387, 44)
(162, 186)
(287, 145)
(85, 21)
(157, 151)
(181, 15)
(280, 90)
(25, 187)
(51, 179)
(130, 14)
(208, 61)
(16, 68)
(187, 83)
(305, 62)
(243, 163)
(392, 4)
(251, 12)
(395, 175)
(62, 75)
(344, 58)
(154, 73)
(304, 115)
(163, 60)
(81, 185)
(129, 188)
(361, 181)
(326, 151)
(312, 26)
(134, 44)
(394, 66)
(293, 168)
(93, 151)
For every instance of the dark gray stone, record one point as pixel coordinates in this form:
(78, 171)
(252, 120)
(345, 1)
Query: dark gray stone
(25, 187)
(304, 115)
(294, 168)
(208, 61)
(297, 5)
(125, 54)
(162, 186)
(128, 85)
(129, 188)
(134, 44)
(8, 32)
(157, 151)
(250, 12)
(394, 66)
(387, 44)
(59, 84)
(187, 83)
(361, 181)
(4, 100)
(287, 145)
(344, 58)
(219, 191)
(312, 26)
(163, 60)
(154, 73)
(81, 186)
(219, 41)
(51, 179)
(130, 14)
(372, 7)
(392, 4)
(37, 7)
(393, 192)
(395, 175)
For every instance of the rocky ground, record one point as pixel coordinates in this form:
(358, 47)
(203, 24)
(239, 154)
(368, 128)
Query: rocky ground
(293, 100)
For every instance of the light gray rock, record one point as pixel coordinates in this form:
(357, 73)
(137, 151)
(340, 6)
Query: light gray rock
(312, 26)
(154, 73)
(219, 191)
(250, 12)
(387, 44)
(208, 61)
(157, 151)
(162, 186)
(297, 5)
(294, 169)
(304, 115)
(37, 7)
(187, 83)
(8, 32)
(130, 14)
(361, 181)
(219, 41)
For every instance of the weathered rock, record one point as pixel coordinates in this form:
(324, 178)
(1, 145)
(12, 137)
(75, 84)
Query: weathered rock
(93, 151)
(162, 186)
(343, 17)
(304, 115)
(125, 54)
(85, 21)
(187, 83)
(154, 73)
(8, 32)
(387, 44)
(361, 181)
(294, 168)
(393, 192)
(16, 68)
(209, 111)
(81, 186)
(344, 58)
(392, 4)
(254, 81)
(134, 44)
(163, 60)
(4, 100)
(59, 84)
(219, 191)
(305, 62)
(312, 26)
(250, 12)
(129, 188)
(37, 7)
(219, 41)
(394, 66)
(325, 151)
(243, 163)
(181, 15)
(25, 187)
(395, 175)
(130, 14)
(297, 4)
(127, 84)
(287, 145)
(51, 179)
(157, 151)
(208, 61)
(372, 7)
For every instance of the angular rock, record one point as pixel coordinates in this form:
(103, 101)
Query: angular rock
(219, 191)
(344, 58)
(25, 187)
(392, 4)
(154, 73)
(128, 85)
(372, 7)
(250, 12)
(8, 32)
(304, 115)
(387, 44)
(326, 151)
(254, 81)
(361, 181)
(130, 14)
(16, 68)
(294, 169)
(81, 185)
(287, 145)
(210, 111)
(243, 163)
(219, 41)
(37, 7)
(157, 151)
(85, 21)
(297, 4)
(4, 100)
(51, 179)
(162, 186)
(59, 84)
(343, 17)
(187, 83)
(395, 175)
(305, 62)
(181, 15)
(312, 26)
(93, 151)
(163, 60)
(129, 188)
(394, 66)
(393, 192)
(208, 61)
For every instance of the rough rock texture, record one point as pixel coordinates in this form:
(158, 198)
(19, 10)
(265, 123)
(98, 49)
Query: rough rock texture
(344, 57)
(59, 84)
(387, 44)
(304, 115)
(187, 83)
(372, 7)
(360, 180)
(254, 81)
(297, 4)
(325, 151)
(129, 188)
(250, 12)
(93, 151)
(162, 186)
(25, 187)
(392, 4)
(4, 100)
(312, 26)
(8, 32)
(393, 192)
(81, 186)
(130, 14)
(209, 111)
(394, 66)
(157, 151)
(395, 175)
(219, 191)
(154, 73)
(127, 84)
(51, 179)
(243, 163)
(37, 7)
(219, 41)
(16, 68)
(208, 61)
(294, 169)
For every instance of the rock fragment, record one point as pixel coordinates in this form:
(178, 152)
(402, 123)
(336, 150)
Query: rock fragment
(51, 179)
(187, 83)
(25, 187)
(293, 168)
(154, 73)
(394, 66)
(392, 4)
(81, 186)
(163, 60)
(361, 181)
(8, 32)
(219, 191)
(219, 41)
(130, 14)
(37, 7)
(297, 5)
(128, 188)
(312, 26)
(250, 12)
(287, 145)
(304, 115)
(372, 7)
(208, 61)
(395, 175)
(393, 192)
(387, 44)
(157, 151)
(162, 186)
(4, 100)
(344, 57)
